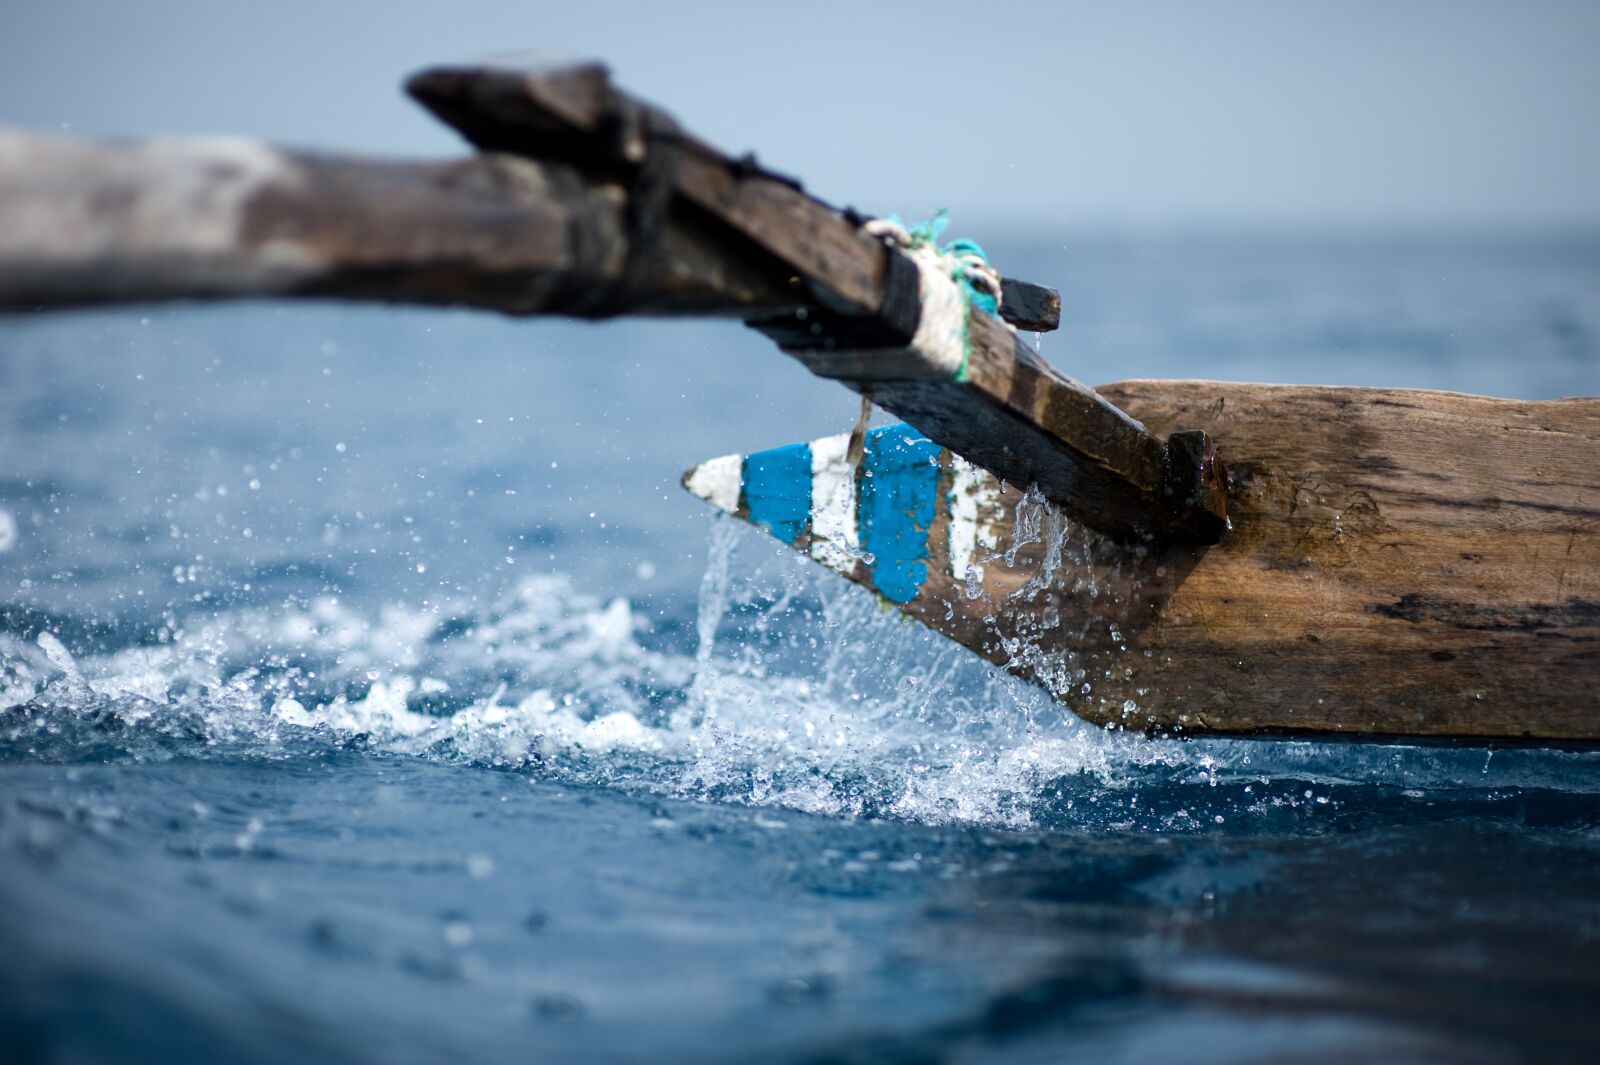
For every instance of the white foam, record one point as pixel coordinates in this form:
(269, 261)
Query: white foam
(803, 692)
(57, 653)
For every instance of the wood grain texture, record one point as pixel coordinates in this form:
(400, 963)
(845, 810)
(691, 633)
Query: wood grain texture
(569, 110)
(1018, 416)
(586, 202)
(1401, 563)
(85, 222)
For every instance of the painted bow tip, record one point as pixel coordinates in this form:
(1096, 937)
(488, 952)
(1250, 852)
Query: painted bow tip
(910, 509)
(717, 481)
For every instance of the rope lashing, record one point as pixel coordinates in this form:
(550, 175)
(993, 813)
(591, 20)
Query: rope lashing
(923, 331)
(961, 260)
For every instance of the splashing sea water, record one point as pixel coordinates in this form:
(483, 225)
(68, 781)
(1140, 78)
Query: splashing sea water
(356, 704)
(801, 692)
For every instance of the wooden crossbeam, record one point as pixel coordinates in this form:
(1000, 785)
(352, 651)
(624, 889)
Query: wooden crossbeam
(1011, 413)
(86, 223)
(582, 201)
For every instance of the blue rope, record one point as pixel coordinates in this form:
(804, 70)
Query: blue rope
(929, 231)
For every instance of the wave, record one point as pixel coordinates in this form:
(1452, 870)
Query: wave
(795, 689)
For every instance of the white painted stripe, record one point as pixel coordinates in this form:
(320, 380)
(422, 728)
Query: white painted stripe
(718, 481)
(974, 511)
(963, 516)
(834, 538)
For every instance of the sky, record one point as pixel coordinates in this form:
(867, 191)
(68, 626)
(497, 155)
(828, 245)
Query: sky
(1186, 112)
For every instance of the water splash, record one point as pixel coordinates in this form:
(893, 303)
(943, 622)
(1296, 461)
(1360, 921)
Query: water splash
(801, 691)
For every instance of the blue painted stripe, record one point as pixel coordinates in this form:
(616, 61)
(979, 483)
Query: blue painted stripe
(895, 508)
(777, 489)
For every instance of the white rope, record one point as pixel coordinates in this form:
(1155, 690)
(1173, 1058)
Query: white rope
(941, 336)
(970, 265)
(939, 348)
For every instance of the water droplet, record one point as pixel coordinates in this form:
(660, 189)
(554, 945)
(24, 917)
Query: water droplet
(458, 933)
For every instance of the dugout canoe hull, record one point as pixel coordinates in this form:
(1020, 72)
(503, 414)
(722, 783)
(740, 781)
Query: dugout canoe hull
(1400, 564)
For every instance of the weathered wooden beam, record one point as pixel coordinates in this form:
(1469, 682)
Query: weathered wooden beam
(1014, 414)
(1008, 411)
(587, 202)
(1035, 308)
(85, 223)
(571, 111)
(1404, 564)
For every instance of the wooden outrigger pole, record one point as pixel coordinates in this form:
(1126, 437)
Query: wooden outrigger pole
(1367, 562)
(583, 202)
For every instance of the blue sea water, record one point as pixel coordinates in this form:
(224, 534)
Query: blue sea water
(370, 692)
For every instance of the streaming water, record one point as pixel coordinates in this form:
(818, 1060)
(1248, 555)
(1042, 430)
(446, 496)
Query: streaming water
(368, 693)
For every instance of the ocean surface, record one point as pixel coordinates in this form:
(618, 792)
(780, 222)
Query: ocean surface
(370, 692)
